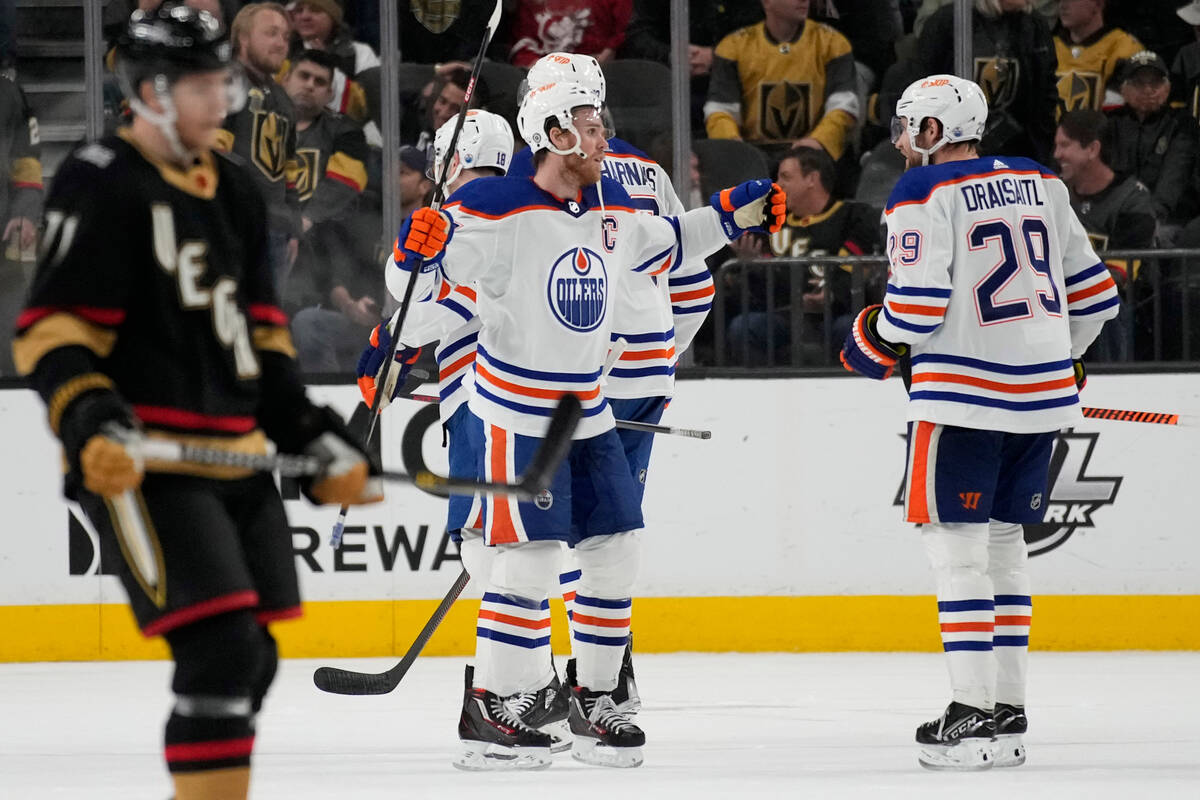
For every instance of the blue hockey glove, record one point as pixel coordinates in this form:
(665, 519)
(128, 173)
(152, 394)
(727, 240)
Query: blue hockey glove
(759, 206)
(865, 352)
(372, 361)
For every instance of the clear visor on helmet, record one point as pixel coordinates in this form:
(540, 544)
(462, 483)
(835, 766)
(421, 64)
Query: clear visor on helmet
(898, 126)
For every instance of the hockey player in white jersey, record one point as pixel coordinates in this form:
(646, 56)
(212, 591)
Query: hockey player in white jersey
(545, 255)
(484, 149)
(994, 295)
(655, 318)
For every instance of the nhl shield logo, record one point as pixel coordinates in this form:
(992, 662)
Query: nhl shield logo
(578, 289)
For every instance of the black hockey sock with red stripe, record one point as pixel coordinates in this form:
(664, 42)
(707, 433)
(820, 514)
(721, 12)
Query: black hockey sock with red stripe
(196, 743)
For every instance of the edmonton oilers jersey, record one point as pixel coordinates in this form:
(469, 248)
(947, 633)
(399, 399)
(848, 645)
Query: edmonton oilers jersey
(451, 320)
(989, 268)
(546, 270)
(656, 318)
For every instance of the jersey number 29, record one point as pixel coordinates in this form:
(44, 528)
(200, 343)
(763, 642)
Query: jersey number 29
(1035, 240)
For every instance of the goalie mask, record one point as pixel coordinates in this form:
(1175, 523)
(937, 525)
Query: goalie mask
(486, 140)
(165, 44)
(550, 106)
(958, 104)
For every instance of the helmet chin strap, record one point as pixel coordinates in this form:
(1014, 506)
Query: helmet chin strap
(569, 127)
(165, 121)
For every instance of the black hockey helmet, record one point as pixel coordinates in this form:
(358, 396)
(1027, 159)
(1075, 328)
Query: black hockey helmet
(171, 40)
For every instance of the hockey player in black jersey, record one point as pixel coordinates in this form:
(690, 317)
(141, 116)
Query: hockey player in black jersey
(153, 314)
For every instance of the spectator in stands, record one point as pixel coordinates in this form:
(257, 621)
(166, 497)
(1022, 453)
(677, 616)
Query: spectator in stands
(1046, 9)
(8, 39)
(1116, 210)
(1152, 141)
(330, 147)
(649, 37)
(423, 114)
(318, 25)
(329, 335)
(1185, 72)
(1155, 23)
(1014, 65)
(592, 27)
(439, 32)
(786, 81)
(1089, 51)
(817, 224)
(20, 208)
(871, 26)
(263, 132)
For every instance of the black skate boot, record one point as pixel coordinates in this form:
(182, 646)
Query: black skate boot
(604, 735)
(626, 694)
(547, 710)
(1011, 725)
(963, 738)
(493, 735)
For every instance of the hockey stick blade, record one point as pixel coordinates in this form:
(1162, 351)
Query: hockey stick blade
(345, 681)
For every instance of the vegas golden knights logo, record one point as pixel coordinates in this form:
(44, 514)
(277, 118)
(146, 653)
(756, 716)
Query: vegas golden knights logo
(1081, 90)
(998, 77)
(436, 15)
(783, 109)
(268, 136)
(309, 159)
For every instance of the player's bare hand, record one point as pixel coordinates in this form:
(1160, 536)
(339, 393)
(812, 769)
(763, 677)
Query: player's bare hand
(108, 467)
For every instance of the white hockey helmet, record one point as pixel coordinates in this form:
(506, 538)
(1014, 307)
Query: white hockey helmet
(957, 103)
(554, 102)
(486, 140)
(566, 68)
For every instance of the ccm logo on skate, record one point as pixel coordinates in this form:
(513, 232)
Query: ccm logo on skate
(578, 289)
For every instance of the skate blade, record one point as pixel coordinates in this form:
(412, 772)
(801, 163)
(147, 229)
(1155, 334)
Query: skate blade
(1010, 750)
(969, 755)
(560, 734)
(481, 757)
(591, 752)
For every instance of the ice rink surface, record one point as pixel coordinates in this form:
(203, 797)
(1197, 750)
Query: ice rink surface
(1102, 725)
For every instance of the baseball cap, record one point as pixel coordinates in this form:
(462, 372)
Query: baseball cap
(1190, 13)
(413, 158)
(1144, 59)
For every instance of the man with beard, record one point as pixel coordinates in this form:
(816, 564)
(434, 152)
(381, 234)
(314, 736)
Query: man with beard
(263, 134)
(544, 253)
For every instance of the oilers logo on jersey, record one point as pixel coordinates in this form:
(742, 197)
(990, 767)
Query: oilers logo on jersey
(578, 289)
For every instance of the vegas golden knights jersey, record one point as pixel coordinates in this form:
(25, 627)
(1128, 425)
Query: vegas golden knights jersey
(153, 286)
(263, 135)
(1086, 68)
(1118, 217)
(331, 157)
(763, 90)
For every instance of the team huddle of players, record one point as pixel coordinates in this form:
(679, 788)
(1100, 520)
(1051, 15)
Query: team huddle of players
(542, 275)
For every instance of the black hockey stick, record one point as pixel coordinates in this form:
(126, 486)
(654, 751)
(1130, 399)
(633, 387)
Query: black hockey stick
(629, 425)
(345, 681)
(536, 478)
(335, 539)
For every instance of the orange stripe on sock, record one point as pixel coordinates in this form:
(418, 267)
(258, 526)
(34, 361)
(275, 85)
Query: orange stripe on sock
(967, 627)
(520, 622)
(1013, 620)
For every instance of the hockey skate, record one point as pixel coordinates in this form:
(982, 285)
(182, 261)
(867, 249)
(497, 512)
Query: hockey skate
(493, 735)
(546, 710)
(1011, 725)
(963, 738)
(626, 695)
(604, 735)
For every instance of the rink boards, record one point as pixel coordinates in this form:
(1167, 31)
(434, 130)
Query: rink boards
(781, 533)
